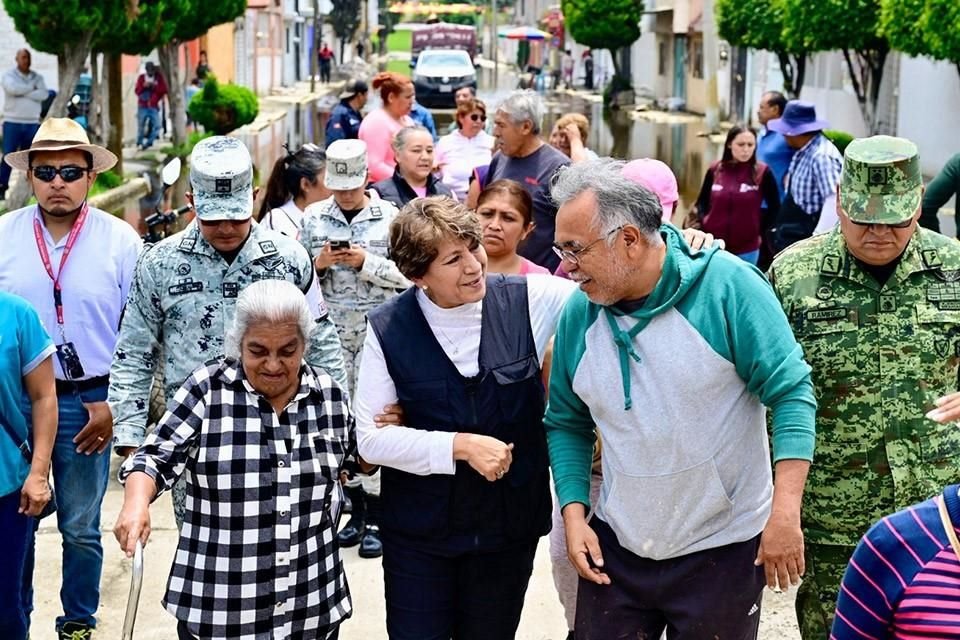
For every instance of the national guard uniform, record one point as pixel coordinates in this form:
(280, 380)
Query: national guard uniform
(881, 354)
(351, 293)
(184, 293)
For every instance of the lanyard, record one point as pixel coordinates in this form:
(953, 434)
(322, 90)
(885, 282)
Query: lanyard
(45, 257)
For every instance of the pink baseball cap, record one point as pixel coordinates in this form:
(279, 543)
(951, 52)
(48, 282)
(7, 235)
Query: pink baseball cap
(657, 177)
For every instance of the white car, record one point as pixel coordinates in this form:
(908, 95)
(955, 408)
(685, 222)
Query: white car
(439, 73)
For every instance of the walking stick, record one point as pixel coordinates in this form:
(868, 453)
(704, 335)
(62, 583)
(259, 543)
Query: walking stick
(133, 599)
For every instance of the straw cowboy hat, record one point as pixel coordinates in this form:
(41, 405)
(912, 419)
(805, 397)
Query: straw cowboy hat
(60, 134)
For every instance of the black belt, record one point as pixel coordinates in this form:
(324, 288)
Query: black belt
(79, 386)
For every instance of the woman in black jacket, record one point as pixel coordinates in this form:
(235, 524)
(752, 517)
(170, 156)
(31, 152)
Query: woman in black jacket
(413, 176)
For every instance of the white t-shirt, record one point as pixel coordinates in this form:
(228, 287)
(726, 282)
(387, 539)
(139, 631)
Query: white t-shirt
(458, 156)
(287, 219)
(458, 332)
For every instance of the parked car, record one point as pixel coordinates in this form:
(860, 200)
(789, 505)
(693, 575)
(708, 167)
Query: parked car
(439, 73)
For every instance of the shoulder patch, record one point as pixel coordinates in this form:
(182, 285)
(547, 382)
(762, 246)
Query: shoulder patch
(267, 246)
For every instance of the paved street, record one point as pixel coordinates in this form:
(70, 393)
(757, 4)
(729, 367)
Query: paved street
(542, 615)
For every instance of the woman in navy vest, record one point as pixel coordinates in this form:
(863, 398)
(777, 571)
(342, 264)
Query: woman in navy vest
(732, 196)
(465, 492)
(413, 176)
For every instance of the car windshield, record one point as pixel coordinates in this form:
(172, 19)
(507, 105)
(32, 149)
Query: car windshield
(443, 59)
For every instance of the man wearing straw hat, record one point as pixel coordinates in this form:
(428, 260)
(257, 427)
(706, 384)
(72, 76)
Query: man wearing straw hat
(875, 304)
(74, 264)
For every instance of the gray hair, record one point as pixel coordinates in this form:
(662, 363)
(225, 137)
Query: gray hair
(400, 139)
(620, 201)
(524, 105)
(270, 302)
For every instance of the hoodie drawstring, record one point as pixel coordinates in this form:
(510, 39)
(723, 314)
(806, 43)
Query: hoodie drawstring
(624, 341)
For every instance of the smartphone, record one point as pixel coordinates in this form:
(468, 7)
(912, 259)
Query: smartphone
(337, 245)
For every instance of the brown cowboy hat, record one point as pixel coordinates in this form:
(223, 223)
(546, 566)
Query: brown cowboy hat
(60, 134)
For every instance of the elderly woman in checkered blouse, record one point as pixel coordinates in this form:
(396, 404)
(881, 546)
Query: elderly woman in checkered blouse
(261, 438)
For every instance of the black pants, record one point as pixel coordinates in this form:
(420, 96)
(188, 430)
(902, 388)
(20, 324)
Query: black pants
(324, 72)
(701, 596)
(184, 634)
(467, 597)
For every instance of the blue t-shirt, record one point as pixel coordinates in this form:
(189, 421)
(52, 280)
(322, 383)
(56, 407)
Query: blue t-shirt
(773, 150)
(24, 344)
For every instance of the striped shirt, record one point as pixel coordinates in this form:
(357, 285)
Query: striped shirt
(903, 580)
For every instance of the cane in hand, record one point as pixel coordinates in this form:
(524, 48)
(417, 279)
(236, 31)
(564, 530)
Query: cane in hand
(133, 599)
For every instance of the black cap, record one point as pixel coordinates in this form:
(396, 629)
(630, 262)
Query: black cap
(353, 88)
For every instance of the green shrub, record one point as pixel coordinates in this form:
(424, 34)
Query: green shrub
(221, 108)
(840, 139)
(108, 180)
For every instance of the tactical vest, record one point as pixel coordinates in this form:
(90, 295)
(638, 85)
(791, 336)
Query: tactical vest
(504, 400)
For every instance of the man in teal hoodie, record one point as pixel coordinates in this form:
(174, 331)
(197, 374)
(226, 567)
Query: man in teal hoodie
(673, 357)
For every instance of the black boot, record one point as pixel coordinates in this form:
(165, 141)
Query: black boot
(350, 535)
(370, 545)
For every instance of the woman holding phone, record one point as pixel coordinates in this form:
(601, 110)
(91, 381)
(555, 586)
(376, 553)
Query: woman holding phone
(347, 235)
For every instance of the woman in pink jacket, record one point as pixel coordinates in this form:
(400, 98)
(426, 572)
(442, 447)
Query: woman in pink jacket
(381, 125)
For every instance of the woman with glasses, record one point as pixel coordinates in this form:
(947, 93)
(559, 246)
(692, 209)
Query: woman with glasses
(467, 148)
(295, 183)
(413, 176)
(466, 492)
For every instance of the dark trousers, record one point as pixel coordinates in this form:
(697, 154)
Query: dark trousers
(324, 71)
(16, 532)
(474, 596)
(700, 596)
(17, 136)
(184, 634)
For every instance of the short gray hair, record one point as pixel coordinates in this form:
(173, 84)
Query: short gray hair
(524, 105)
(400, 139)
(620, 201)
(271, 302)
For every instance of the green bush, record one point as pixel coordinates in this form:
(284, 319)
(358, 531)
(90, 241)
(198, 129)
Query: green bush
(221, 108)
(108, 180)
(840, 139)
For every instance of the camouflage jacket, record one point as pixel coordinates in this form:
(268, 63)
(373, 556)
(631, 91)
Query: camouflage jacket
(345, 288)
(181, 304)
(880, 357)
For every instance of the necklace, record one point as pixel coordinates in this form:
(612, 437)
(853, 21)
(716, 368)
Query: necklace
(452, 344)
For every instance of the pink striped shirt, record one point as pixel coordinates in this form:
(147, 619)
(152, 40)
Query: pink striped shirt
(902, 582)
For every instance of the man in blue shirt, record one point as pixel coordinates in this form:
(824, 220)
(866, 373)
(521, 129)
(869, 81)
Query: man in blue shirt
(772, 147)
(344, 122)
(27, 366)
(424, 118)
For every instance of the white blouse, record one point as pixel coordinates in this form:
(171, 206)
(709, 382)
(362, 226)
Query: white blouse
(458, 156)
(287, 219)
(457, 331)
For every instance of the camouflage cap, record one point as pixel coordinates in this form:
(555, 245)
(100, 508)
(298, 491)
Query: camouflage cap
(881, 181)
(346, 165)
(221, 174)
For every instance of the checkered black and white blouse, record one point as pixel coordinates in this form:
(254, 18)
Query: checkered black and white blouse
(257, 557)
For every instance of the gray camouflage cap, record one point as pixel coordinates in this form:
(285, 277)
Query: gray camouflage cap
(221, 174)
(346, 165)
(881, 181)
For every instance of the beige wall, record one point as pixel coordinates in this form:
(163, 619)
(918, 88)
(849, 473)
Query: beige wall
(218, 43)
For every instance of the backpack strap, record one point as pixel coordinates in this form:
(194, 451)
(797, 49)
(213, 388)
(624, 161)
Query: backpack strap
(950, 496)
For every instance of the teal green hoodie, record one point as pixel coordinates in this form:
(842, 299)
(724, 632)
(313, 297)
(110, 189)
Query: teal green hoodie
(677, 390)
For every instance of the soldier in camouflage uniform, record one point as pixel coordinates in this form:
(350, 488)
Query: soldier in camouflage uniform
(875, 303)
(347, 236)
(185, 289)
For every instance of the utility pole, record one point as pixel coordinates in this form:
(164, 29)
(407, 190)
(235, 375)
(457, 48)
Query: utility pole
(710, 56)
(314, 47)
(493, 41)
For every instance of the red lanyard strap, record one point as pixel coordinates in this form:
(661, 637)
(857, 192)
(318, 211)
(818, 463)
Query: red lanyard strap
(45, 256)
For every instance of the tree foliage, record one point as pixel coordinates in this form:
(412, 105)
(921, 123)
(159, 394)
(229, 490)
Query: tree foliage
(155, 24)
(201, 15)
(758, 24)
(604, 24)
(345, 19)
(221, 108)
(923, 28)
(850, 26)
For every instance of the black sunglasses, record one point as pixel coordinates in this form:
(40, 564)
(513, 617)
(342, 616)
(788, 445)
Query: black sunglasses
(899, 225)
(69, 173)
(477, 116)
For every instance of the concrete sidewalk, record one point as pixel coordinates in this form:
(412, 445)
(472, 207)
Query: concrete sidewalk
(542, 615)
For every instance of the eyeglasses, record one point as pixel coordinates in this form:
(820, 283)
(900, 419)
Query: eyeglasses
(476, 116)
(69, 173)
(573, 256)
(899, 225)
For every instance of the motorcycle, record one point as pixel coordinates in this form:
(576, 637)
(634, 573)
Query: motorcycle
(158, 223)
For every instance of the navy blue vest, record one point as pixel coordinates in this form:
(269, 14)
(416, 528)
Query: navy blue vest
(505, 400)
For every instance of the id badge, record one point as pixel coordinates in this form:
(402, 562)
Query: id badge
(70, 361)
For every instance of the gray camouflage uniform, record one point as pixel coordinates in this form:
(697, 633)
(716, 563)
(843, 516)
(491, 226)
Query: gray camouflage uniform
(181, 304)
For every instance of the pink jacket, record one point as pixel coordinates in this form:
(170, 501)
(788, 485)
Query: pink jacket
(377, 130)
